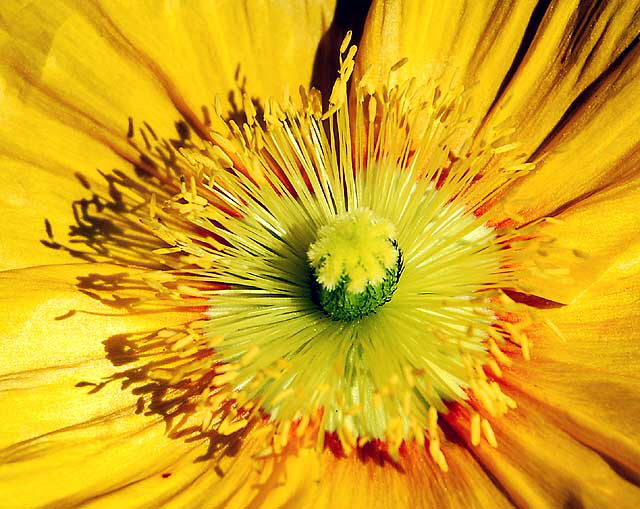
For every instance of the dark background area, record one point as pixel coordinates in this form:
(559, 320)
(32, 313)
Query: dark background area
(349, 15)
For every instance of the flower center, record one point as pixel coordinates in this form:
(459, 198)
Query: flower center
(307, 190)
(356, 265)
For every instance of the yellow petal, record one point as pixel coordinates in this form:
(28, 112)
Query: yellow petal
(454, 42)
(52, 337)
(55, 434)
(72, 73)
(595, 146)
(563, 76)
(600, 328)
(148, 60)
(48, 319)
(93, 91)
(35, 193)
(540, 466)
(597, 408)
(573, 45)
(128, 461)
(90, 448)
(588, 237)
(64, 111)
(204, 49)
(83, 463)
(588, 379)
(371, 481)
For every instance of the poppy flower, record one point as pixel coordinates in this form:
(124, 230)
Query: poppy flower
(254, 259)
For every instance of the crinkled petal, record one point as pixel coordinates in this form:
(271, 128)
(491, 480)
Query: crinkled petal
(561, 74)
(52, 337)
(127, 460)
(37, 200)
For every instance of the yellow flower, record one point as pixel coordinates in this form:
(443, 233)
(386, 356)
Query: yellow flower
(414, 287)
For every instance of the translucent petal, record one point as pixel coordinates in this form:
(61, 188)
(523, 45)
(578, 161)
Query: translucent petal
(587, 239)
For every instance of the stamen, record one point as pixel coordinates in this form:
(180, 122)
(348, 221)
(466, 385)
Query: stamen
(384, 207)
(475, 429)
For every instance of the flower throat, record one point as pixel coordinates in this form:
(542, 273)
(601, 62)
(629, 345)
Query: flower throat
(381, 206)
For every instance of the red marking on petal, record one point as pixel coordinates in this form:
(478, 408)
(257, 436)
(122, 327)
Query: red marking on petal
(532, 300)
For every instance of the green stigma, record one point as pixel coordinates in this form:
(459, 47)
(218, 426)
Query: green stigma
(356, 265)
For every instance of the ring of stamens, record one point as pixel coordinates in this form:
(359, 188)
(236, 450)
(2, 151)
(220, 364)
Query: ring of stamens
(381, 376)
(268, 352)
